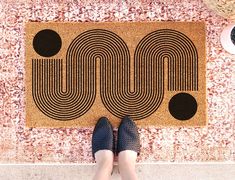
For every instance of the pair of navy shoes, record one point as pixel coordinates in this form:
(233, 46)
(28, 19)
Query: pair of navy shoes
(103, 138)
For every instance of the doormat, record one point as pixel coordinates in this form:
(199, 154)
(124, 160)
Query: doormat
(152, 71)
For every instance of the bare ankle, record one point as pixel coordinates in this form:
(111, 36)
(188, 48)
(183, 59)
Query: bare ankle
(127, 156)
(104, 159)
(126, 164)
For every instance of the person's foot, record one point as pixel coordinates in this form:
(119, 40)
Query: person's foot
(128, 148)
(128, 136)
(103, 148)
(102, 137)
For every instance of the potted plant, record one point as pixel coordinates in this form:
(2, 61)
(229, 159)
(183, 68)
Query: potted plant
(225, 8)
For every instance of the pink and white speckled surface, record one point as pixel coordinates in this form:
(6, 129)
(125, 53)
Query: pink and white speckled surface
(19, 144)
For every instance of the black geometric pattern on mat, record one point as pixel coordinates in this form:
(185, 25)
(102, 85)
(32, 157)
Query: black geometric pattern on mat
(182, 106)
(47, 43)
(152, 51)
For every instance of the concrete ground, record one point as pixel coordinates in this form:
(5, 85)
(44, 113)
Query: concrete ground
(161, 171)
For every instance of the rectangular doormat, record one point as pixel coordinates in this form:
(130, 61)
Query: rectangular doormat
(151, 71)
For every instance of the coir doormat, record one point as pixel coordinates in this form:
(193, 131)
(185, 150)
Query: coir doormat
(151, 71)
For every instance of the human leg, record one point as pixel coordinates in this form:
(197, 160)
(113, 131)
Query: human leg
(104, 164)
(103, 148)
(127, 162)
(128, 147)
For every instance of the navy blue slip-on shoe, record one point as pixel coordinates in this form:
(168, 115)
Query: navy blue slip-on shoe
(128, 136)
(102, 137)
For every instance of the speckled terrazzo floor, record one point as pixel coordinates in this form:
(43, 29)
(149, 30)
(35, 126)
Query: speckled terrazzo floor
(19, 144)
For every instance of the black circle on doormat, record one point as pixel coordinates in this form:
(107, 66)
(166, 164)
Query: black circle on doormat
(182, 106)
(47, 43)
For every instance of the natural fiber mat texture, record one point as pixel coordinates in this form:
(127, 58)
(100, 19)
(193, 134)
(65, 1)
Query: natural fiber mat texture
(151, 71)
